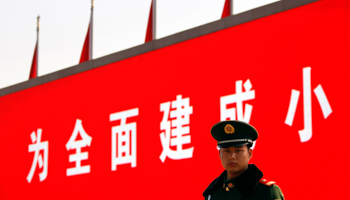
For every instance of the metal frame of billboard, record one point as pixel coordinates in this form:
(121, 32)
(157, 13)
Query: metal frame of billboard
(202, 30)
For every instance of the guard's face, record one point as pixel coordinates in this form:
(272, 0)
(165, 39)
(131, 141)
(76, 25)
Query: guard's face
(235, 159)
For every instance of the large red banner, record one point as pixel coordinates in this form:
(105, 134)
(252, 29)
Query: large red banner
(140, 127)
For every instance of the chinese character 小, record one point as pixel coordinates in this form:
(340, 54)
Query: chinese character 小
(306, 134)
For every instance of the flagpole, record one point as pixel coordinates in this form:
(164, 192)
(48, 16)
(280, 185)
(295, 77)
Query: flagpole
(154, 19)
(37, 46)
(231, 7)
(151, 26)
(92, 11)
(86, 53)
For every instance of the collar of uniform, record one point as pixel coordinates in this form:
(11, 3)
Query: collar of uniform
(245, 183)
(215, 184)
(232, 180)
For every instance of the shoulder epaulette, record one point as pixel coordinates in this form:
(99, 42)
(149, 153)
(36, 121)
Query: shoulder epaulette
(267, 182)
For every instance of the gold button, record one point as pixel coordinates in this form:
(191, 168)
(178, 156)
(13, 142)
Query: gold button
(227, 189)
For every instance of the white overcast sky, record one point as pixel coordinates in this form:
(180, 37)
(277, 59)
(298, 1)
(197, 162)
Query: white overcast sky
(117, 24)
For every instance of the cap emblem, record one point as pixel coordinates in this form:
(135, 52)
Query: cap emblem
(229, 129)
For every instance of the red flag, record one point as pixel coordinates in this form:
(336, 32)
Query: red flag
(34, 68)
(227, 9)
(149, 33)
(86, 53)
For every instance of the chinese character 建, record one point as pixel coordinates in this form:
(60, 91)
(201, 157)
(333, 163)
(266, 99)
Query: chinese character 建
(176, 131)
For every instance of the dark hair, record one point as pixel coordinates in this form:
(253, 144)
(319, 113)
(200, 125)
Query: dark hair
(249, 145)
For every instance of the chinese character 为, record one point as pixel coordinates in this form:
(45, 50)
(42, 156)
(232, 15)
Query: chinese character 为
(306, 134)
(123, 134)
(36, 147)
(77, 145)
(238, 98)
(175, 131)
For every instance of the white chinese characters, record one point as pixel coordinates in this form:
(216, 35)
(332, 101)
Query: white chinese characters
(176, 131)
(77, 145)
(306, 134)
(123, 134)
(36, 147)
(238, 98)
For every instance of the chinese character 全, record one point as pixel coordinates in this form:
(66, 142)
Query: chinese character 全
(77, 145)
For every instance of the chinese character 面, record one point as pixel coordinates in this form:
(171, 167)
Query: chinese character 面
(238, 98)
(123, 133)
(36, 147)
(77, 145)
(176, 131)
(306, 134)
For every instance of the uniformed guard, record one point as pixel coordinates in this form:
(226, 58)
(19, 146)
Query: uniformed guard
(240, 180)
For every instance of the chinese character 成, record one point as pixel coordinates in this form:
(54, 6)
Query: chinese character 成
(238, 98)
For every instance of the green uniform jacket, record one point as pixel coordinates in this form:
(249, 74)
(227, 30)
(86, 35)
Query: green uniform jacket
(244, 187)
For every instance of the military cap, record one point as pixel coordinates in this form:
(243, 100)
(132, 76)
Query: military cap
(233, 133)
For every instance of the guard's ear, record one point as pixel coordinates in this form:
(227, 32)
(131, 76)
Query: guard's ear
(250, 153)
